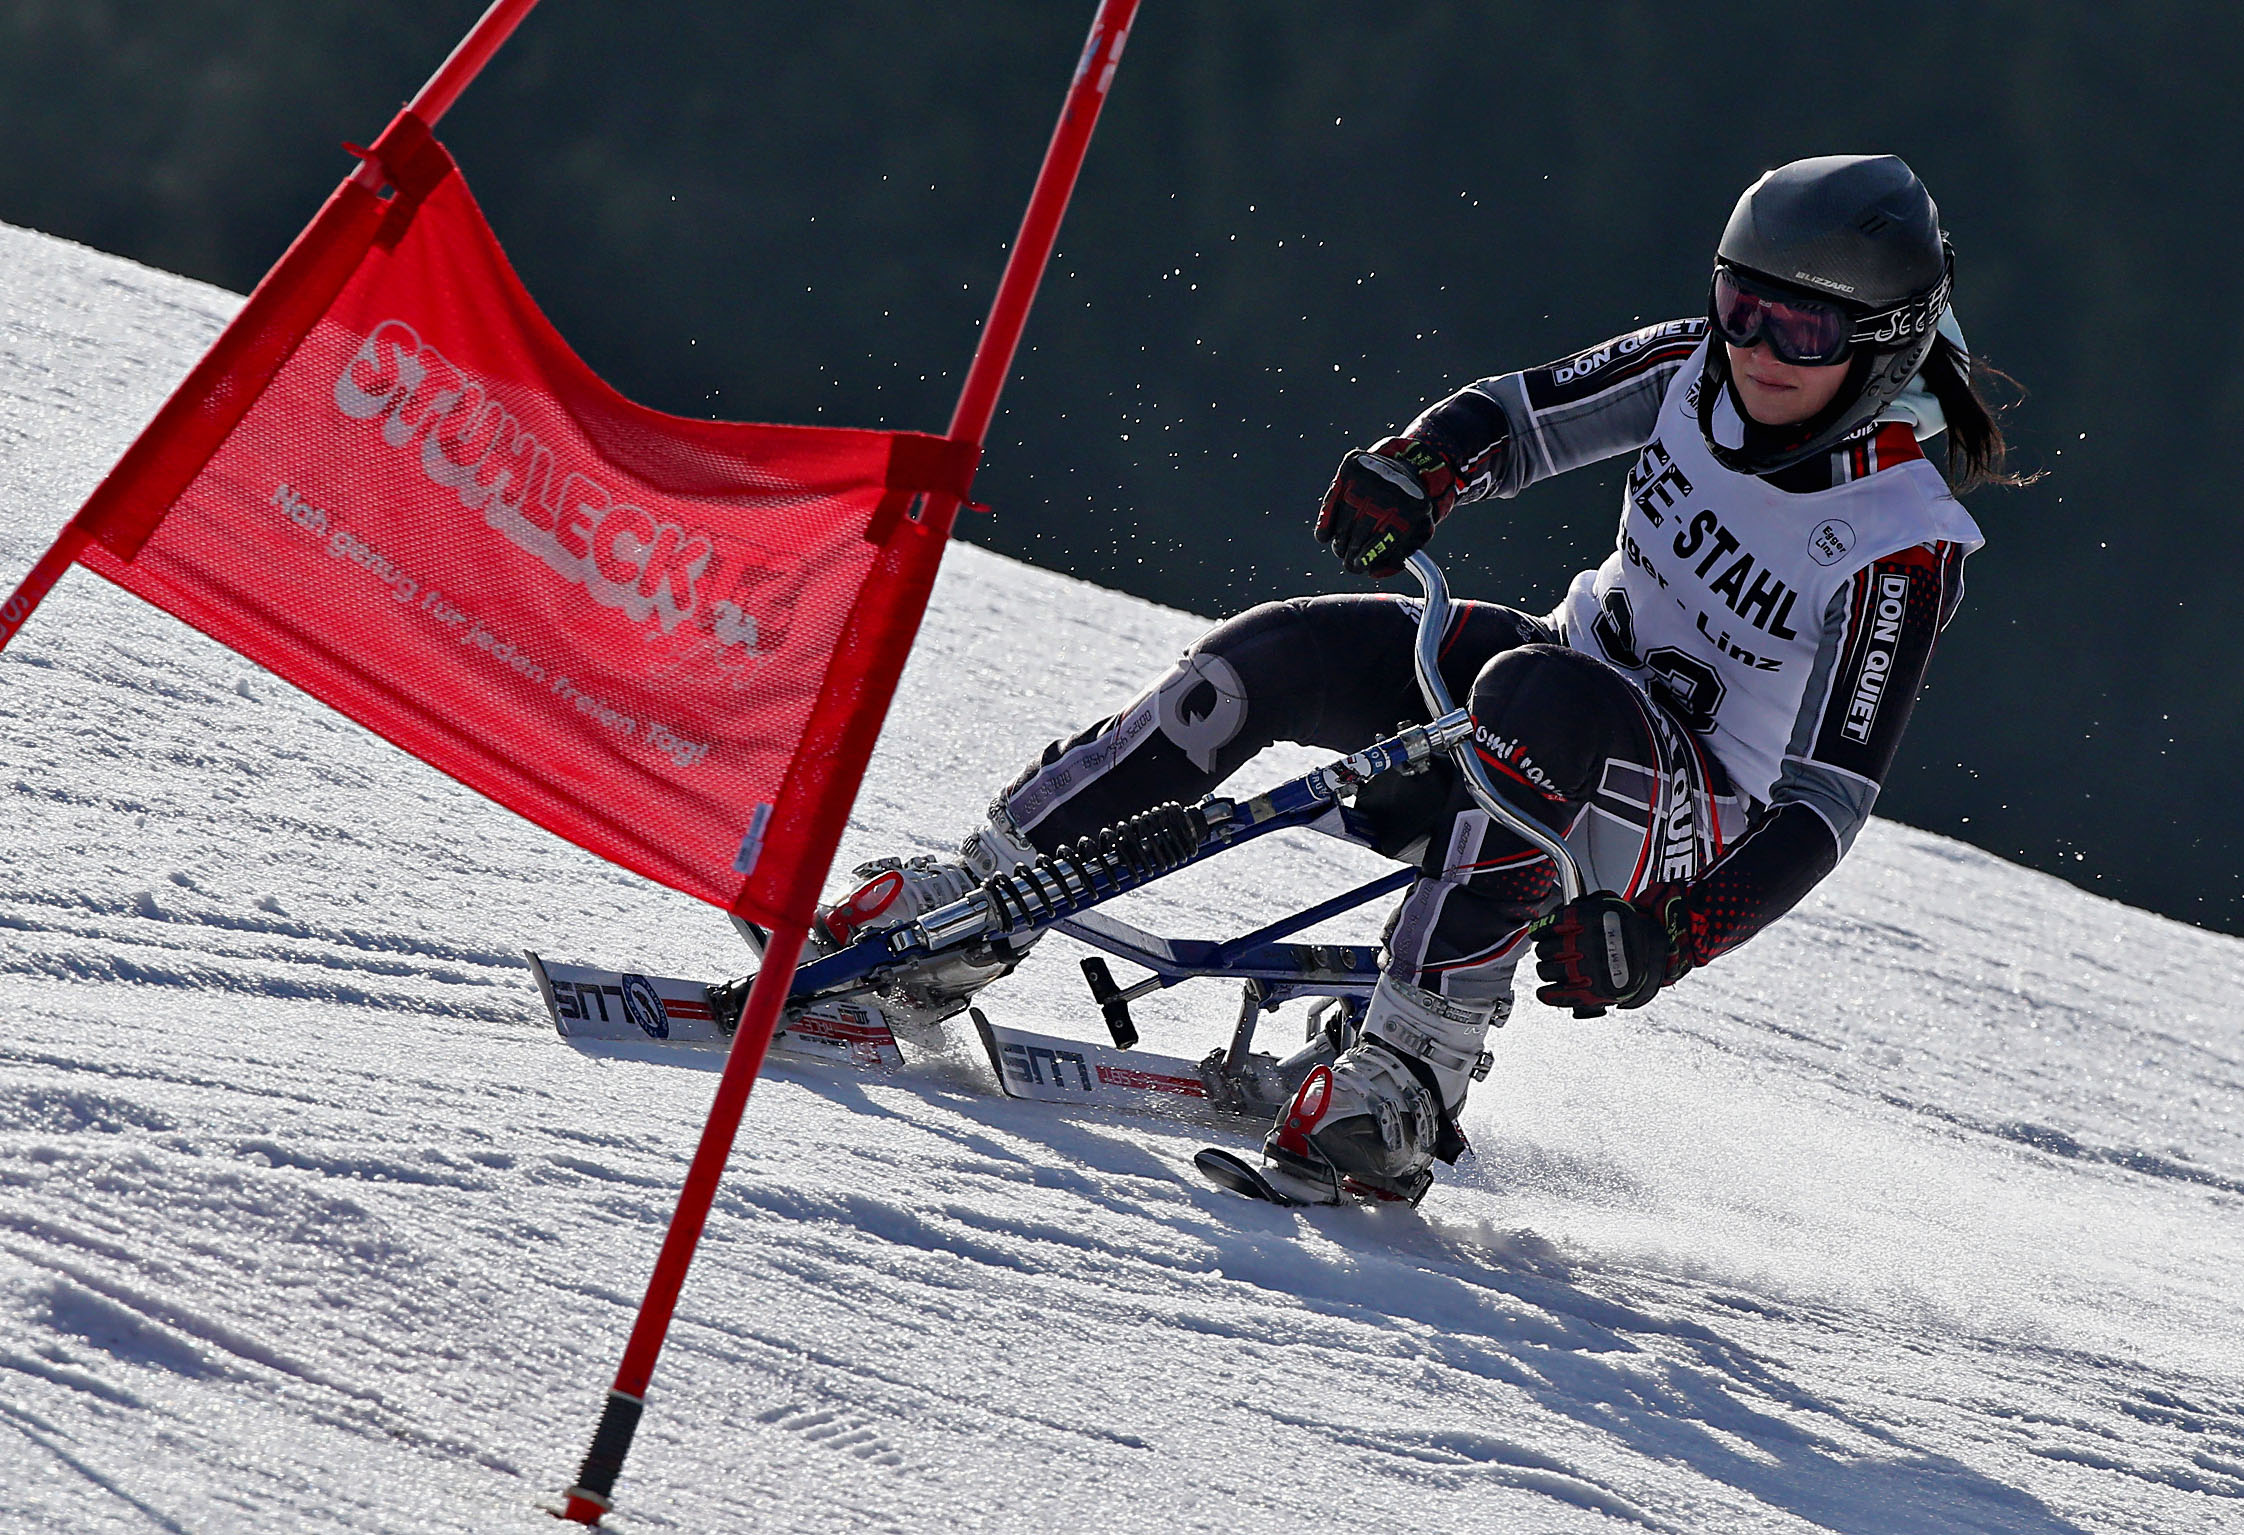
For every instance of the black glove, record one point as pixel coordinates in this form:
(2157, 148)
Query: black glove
(1384, 504)
(1600, 951)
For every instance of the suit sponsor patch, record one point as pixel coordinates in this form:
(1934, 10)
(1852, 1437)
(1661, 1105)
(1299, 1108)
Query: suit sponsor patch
(1890, 597)
(1830, 541)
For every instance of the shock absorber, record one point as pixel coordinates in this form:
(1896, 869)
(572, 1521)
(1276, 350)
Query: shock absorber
(1121, 857)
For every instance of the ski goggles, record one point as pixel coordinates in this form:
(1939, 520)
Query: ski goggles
(1811, 332)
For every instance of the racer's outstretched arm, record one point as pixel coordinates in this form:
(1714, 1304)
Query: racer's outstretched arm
(1495, 438)
(1503, 434)
(1878, 641)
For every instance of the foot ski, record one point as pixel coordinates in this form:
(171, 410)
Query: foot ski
(1228, 1170)
(589, 1003)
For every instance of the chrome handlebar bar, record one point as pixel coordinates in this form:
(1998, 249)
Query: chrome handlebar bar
(1432, 625)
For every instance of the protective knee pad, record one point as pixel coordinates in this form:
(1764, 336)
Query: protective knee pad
(1550, 716)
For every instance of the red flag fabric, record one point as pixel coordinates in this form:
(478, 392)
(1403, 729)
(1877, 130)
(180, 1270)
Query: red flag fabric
(670, 641)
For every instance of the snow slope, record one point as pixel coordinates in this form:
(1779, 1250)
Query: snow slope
(1923, 1213)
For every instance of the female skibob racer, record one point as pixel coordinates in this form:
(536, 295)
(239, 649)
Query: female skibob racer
(1706, 717)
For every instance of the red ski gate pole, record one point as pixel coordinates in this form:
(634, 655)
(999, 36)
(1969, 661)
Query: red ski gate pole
(977, 405)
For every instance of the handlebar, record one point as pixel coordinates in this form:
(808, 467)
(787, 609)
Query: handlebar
(1432, 625)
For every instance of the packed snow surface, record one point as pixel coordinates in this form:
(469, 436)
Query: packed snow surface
(1921, 1213)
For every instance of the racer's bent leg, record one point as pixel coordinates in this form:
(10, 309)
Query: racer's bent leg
(1335, 673)
(1563, 736)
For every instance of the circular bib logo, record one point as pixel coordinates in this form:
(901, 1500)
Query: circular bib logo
(642, 1004)
(1829, 543)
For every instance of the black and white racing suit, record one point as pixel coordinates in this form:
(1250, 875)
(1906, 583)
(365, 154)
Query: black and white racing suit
(1713, 708)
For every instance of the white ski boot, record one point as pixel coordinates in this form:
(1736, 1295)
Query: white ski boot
(1373, 1123)
(893, 891)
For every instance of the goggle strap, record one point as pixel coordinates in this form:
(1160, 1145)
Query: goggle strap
(1913, 317)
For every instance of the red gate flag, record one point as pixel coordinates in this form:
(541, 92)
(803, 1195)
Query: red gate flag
(670, 641)
(667, 640)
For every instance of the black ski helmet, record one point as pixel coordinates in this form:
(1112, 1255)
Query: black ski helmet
(1857, 230)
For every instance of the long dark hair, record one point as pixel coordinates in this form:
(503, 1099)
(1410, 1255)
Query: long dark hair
(1976, 450)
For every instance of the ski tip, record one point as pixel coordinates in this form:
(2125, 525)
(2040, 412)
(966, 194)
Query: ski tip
(989, 1047)
(545, 990)
(1227, 1170)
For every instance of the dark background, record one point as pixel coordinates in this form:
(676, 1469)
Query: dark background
(1298, 222)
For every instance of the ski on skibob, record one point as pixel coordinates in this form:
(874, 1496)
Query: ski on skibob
(1229, 1170)
(1044, 1068)
(587, 1003)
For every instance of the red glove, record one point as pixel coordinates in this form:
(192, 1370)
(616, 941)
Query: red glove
(1384, 504)
(1601, 951)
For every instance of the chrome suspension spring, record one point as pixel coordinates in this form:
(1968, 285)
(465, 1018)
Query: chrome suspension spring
(1121, 857)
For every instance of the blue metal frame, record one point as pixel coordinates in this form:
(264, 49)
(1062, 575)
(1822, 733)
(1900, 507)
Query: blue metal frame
(1293, 969)
(1273, 969)
(1286, 970)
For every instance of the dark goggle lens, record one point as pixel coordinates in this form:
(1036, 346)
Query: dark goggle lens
(1799, 331)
